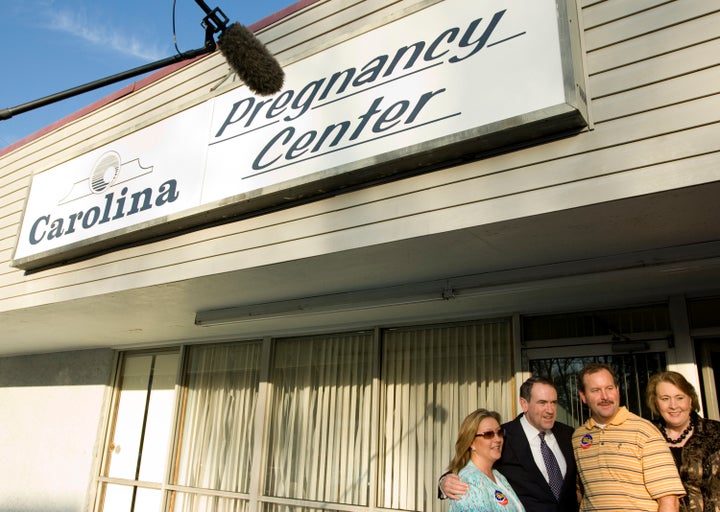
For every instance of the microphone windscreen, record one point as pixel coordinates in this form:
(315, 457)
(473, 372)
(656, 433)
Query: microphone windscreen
(249, 58)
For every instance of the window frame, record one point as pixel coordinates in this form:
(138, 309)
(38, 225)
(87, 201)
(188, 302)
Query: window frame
(255, 499)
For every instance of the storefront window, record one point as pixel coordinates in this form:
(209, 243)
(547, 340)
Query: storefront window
(433, 378)
(319, 439)
(182, 502)
(217, 436)
(352, 420)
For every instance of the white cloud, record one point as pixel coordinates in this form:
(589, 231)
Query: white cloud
(103, 35)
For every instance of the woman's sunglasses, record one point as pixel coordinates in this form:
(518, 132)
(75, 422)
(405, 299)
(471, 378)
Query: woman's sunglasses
(492, 433)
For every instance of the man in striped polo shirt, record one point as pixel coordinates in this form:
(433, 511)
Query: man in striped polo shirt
(623, 462)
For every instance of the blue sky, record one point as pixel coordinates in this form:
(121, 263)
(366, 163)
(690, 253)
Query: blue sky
(53, 45)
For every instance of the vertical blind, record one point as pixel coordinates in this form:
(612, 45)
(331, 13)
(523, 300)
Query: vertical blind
(362, 420)
(433, 378)
(217, 436)
(319, 438)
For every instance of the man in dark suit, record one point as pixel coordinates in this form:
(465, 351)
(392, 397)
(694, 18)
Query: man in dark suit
(523, 462)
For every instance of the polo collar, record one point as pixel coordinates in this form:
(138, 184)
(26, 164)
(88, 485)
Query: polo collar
(620, 417)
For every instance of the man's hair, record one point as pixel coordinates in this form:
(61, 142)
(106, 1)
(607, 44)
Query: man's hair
(591, 368)
(526, 387)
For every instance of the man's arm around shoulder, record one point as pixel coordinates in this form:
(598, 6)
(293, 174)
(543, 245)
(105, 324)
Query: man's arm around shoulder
(450, 486)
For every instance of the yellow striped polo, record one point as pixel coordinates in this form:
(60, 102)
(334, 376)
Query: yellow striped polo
(624, 466)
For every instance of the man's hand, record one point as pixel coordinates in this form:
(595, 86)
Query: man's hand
(453, 487)
(667, 504)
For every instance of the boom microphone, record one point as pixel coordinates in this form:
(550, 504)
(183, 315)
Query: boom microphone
(247, 56)
(252, 62)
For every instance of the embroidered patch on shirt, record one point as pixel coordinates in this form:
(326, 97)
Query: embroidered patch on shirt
(586, 441)
(501, 498)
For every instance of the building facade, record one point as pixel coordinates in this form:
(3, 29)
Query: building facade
(291, 303)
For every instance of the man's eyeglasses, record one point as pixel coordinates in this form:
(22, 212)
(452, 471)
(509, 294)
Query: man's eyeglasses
(492, 433)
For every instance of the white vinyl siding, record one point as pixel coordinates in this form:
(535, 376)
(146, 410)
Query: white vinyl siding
(653, 95)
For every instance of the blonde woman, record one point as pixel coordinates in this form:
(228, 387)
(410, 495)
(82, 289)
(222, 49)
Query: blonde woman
(478, 446)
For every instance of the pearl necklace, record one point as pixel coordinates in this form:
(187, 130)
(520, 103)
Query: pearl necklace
(682, 436)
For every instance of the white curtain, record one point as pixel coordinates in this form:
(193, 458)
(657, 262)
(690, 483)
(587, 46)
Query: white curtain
(432, 379)
(217, 436)
(319, 439)
(323, 410)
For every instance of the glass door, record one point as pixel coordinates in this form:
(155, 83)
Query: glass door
(633, 371)
(137, 449)
(633, 341)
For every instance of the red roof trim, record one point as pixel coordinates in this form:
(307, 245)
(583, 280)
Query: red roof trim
(287, 11)
(99, 103)
(144, 82)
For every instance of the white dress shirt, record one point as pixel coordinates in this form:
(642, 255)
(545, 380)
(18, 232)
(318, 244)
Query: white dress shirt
(533, 437)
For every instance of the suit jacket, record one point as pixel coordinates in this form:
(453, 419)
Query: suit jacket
(518, 466)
